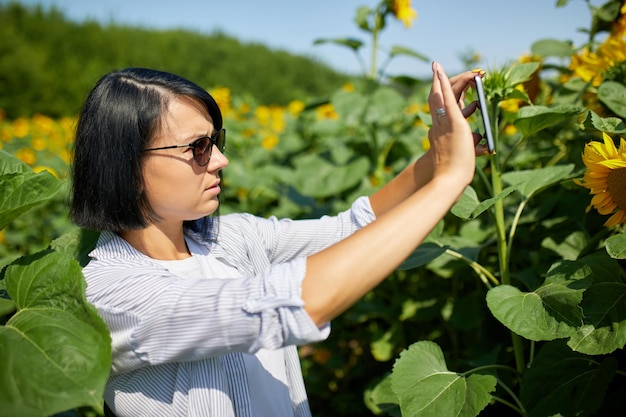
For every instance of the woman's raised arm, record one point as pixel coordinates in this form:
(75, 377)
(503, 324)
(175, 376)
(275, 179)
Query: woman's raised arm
(407, 210)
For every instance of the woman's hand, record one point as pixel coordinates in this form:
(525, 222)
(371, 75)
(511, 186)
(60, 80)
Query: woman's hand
(453, 145)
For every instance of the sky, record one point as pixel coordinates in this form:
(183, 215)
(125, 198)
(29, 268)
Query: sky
(500, 31)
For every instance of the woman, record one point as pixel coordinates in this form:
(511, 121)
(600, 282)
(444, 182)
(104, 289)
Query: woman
(206, 323)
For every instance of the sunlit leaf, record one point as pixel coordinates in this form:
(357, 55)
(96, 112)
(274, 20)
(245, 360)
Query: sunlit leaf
(616, 246)
(551, 311)
(529, 182)
(11, 165)
(568, 248)
(350, 106)
(77, 244)
(316, 177)
(604, 306)
(521, 72)
(532, 119)
(613, 94)
(21, 189)
(426, 388)
(604, 124)
(566, 383)
(55, 336)
(384, 106)
(552, 47)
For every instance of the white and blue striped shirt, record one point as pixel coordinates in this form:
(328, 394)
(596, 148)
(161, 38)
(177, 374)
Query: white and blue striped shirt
(180, 343)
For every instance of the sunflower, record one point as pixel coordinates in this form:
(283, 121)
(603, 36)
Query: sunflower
(403, 11)
(605, 178)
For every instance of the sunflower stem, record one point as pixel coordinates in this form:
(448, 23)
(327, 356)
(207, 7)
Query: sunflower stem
(501, 238)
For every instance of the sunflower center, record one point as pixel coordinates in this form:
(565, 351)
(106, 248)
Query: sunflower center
(617, 186)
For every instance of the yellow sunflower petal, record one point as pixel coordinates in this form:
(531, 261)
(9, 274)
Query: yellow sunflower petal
(618, 218)
(607, 209)
(601, 199)
(613, 163)
(609, 146)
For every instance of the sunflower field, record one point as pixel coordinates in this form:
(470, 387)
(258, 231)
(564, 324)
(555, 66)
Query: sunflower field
(515, 305)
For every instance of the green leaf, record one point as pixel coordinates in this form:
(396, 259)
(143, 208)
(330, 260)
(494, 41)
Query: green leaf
(55, 336)
(351, 43)
(426, 388)
(77, 244)
(613, 95)
(532, 119)
(316, 177)
(603, 329)
(382, 398)
(425, 253)
(6, 307)
(604, 306)
(401, 50)
(530, 182)
(604, 124)
(568, 248)
(520, 73)
(384, 106)
(562, 382)
(549, 312)
(552, 47)
(11, 165)
(384, 347)
(350, 106)
(20, 192)
(616, 246)
(362, 18)
(469, 206)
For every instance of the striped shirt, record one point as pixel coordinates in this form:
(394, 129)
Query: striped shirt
(180, 344)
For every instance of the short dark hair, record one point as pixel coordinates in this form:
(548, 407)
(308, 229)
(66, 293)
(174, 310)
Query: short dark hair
(118, 119)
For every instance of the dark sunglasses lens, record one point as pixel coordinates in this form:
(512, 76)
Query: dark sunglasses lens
(202, 151)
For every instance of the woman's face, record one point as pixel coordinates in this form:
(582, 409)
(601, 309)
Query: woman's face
(177, 188)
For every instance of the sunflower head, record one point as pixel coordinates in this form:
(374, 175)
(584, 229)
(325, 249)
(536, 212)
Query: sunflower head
(403, 11)
(605, 177)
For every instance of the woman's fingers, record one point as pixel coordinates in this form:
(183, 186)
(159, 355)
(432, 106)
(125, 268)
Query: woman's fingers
(470, 109)
(461, 82)
(450, 101)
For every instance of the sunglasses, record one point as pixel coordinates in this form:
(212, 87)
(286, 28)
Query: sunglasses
(201, 147)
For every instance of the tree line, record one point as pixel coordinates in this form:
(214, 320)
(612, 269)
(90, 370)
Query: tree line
(48, 63)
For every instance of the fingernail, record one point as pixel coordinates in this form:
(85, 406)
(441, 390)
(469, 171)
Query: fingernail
(477, 70)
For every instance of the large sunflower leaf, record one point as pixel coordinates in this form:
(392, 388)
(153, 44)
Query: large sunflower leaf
(604, 306)
(563, 382)
(426, 388)
(54, 351)
(551, 311)
(529, 182)
(12, 165)
(316, 177)
(532, 119)
(22, 191)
